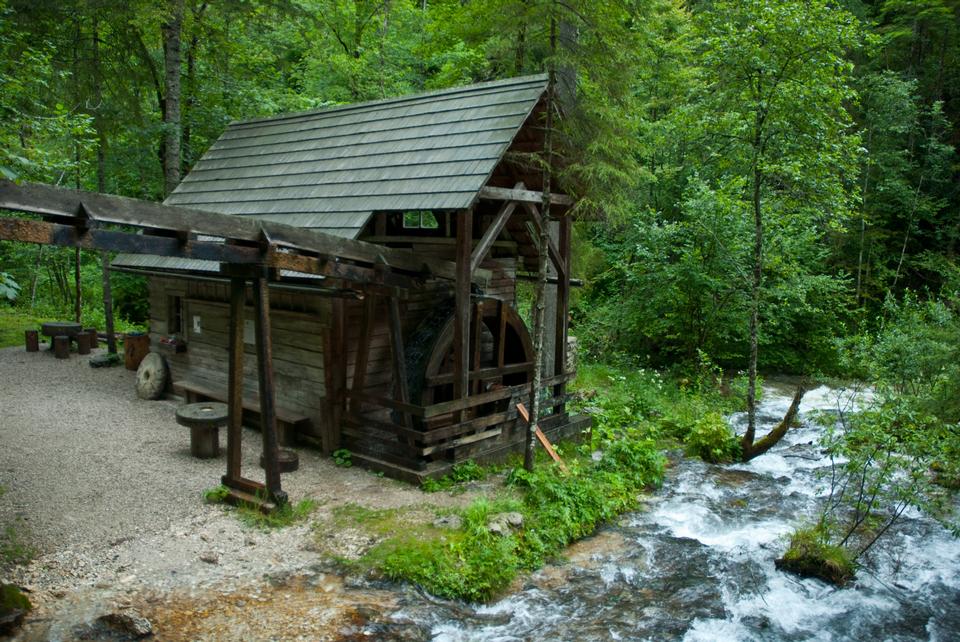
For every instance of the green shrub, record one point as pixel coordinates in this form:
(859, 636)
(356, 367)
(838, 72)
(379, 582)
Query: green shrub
(465, 471)
(216, 495)
(343, 458)
(711, 439)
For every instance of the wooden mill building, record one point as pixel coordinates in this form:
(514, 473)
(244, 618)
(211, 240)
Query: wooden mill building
(423, 364)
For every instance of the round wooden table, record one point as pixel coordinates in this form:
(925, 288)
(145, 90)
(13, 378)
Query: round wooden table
(204, 420)
(61, 328)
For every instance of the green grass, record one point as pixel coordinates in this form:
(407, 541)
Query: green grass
(251, 515)
(636, 413)
(474, 564)
(13, 322)
(280, 517)
(14, 549)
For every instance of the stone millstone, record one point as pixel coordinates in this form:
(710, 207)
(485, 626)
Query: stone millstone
(151, 377)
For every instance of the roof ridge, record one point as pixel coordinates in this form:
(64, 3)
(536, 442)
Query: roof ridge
(505, 82)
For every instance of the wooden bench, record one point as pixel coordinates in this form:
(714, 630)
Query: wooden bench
(288, 423)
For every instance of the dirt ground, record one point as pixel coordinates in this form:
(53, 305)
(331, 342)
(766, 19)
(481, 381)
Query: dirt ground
(102, 486)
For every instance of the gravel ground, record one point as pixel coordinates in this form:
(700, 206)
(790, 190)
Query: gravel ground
(103, 486)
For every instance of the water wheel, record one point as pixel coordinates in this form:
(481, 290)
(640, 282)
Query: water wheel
(501, 354)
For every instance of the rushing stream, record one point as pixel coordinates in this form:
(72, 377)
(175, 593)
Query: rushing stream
(697, 564)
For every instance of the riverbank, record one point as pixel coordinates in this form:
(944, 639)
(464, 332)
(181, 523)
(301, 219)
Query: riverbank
(101, 486)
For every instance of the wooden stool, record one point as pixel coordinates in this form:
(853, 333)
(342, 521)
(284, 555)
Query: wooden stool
(61, 346)
(33, 340)
(204, 420)
(83, 343)
(93, 338)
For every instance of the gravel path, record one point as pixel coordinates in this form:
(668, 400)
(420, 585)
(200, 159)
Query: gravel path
(103, 486)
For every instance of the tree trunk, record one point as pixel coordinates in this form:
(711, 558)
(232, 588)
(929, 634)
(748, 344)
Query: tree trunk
(774, 436)
(863, 218)
(101, 187)
(747, 441)
(171, 108)
(540, 308)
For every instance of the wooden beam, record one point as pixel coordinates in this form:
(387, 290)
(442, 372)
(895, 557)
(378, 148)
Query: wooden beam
(398, 358)
(386, 402)
(336, 364)
(268, 392)
(554, 253)
(363, 350)
(78, 206)
(17, 229)
(521, 195)
(543, 439)
(483, 247)
(455, 405)
(492, 372)
(238, 289)
(461, 324)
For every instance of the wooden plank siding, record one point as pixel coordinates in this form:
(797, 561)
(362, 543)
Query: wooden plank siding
(299, 329)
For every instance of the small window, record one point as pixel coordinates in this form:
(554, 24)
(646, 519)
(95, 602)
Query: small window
(420, 220)
(175, 314)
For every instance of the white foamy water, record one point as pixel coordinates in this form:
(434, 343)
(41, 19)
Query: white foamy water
(707, 542)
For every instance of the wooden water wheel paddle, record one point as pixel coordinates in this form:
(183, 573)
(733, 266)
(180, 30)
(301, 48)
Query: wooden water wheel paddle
(501, 354)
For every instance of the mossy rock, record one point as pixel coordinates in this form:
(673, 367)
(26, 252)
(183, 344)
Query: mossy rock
(809, 556)
(107, 360)
(14, 605)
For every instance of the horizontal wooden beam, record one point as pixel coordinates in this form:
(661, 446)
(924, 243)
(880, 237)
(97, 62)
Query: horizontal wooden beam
(486, 397)
(78, 208)
(521, 195)
(16, 229)
(483, 373)
(385, 402)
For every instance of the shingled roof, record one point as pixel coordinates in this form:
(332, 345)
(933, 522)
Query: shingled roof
(330, 169)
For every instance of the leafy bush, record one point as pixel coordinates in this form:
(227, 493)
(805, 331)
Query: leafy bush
(464, 471)
(9, 288)
(711, 439)
(343, 458)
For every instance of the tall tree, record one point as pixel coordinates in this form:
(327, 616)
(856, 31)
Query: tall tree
(172, 28)
(773, 107)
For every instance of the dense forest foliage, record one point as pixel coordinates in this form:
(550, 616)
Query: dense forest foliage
(761, 184)
(834, 125)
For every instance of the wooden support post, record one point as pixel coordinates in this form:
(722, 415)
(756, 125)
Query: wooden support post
(238, 289)
(268, 408)
(363, 351)
(337, 364)
(399, 359)
(461, 325)
(476, 336)
(563, 305)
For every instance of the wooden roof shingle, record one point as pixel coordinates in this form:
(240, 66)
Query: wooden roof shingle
(330, 169)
